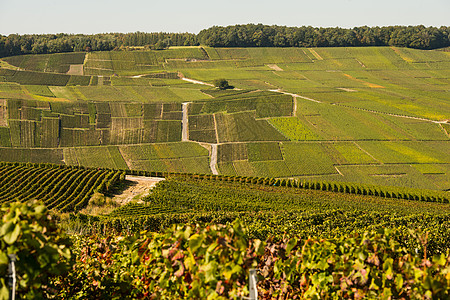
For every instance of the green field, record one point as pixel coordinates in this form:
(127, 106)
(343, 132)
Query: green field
(366, 115)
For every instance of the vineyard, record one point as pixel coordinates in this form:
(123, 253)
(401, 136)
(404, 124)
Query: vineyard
(298, 223)
(213, 261)
(59, 187)
(359, 115)
(271, 207)
(233, 223)
(126, 174)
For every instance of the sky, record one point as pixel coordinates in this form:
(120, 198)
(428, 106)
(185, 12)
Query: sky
(100, 16)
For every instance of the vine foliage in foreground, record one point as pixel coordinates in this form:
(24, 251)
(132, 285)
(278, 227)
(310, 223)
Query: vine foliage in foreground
(212, 262)
(41, 248)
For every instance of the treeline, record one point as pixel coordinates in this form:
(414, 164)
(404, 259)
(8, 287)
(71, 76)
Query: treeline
(15, 44)
(250, 35)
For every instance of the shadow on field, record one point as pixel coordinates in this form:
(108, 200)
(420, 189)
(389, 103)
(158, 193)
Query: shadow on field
(119, 187)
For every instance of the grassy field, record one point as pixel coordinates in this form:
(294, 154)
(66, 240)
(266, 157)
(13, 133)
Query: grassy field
(357, 114)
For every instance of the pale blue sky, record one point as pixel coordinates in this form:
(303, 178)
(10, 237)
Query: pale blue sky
(98, 16)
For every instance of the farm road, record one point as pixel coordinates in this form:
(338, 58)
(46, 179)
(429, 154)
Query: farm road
(139, 186)
(296, 96)
(213, 163)
(275, 67)
(185, 120)
(196, 81)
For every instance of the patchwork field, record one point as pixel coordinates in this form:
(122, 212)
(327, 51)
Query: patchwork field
(375, 115)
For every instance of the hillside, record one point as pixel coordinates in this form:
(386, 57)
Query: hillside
(372, 115)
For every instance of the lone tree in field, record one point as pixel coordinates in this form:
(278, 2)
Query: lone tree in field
(222, 84)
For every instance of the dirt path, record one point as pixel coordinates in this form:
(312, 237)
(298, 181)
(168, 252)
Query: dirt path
(185, 124)
(347, 90)
(294, 113)
(295, 95)
(275, 67)
(196, 81)
(443, 128)
(138, 187)
(363, 150)
(340, 173)
(313, 52)
(215, 128)
(213, 163)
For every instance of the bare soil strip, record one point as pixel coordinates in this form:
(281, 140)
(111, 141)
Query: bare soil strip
(308, 55)
(363, 150)
(347, 89)
(371, 85)
(295, 95)
(402, 55)
(75, 70)
(215, 128)
(185, 129)
(338, 171)
(294, 113)
(139, 187)
(213, 163)
(315, 54)
(362, 65)
(442, 127)
(275, 67)
(196, 81)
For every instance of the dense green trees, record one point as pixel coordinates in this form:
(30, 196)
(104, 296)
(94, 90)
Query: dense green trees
(259, 35)
(15, 44)
(249, 35)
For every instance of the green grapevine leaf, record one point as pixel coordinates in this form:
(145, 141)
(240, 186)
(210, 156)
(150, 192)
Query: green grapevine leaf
(11, 236)
(291, 244)
(195, 242)
(4, 292)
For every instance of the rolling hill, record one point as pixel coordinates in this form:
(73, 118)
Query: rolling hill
(372, 115)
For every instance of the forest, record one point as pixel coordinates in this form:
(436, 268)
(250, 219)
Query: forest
(249, 35)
